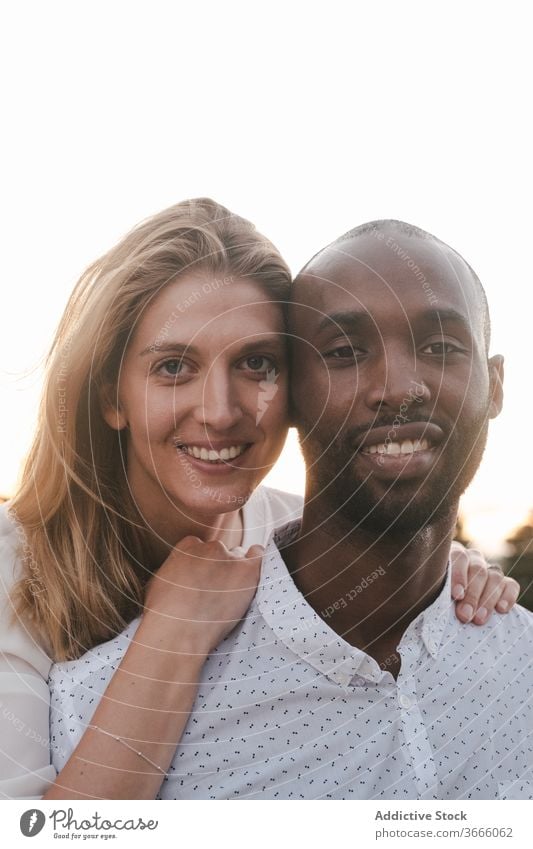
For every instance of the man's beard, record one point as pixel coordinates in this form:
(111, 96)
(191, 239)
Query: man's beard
(397, 507)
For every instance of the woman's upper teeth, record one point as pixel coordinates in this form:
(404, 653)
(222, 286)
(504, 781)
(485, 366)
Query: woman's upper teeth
(210, 454)
(406, 446)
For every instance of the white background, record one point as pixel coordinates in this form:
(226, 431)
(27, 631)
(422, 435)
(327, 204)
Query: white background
(308, 118)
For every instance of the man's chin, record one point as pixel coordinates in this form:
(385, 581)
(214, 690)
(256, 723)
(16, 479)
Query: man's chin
(403, 508)
(399, 520)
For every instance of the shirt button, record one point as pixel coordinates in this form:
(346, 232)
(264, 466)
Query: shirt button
(404, 701)
(432, 646)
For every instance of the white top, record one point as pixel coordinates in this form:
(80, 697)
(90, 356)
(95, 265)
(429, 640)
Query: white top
(286, 709)
(25, 769)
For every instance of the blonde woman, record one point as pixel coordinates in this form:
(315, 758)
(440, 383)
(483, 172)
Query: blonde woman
(164, 406)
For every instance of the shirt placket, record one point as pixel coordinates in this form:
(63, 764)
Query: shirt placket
(412, 725)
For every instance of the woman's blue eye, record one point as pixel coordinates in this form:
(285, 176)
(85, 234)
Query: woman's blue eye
(171, 368)
(258, 367)
(257, 363)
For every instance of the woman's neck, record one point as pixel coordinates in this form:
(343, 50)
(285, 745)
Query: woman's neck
(166, 532)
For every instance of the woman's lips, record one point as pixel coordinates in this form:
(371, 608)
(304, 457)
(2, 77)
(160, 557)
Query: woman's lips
(219, 461)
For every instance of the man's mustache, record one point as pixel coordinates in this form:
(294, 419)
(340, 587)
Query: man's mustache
(352, 437)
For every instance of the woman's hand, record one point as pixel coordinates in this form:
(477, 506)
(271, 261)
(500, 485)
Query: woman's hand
(193, 601)
(200, 593)
(477, 588)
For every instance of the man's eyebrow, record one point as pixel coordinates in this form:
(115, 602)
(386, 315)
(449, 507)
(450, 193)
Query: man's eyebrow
(350, 320)
(445, 315)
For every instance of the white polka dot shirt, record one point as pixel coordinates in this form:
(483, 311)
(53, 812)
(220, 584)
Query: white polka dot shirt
(286, 709)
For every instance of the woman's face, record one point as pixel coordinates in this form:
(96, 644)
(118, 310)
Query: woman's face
(202, 393)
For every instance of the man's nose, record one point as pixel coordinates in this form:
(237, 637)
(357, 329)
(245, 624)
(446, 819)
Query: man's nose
(394, 380)
(219, 406)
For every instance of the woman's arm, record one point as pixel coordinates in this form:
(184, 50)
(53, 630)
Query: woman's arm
(478, 588)
(25, 769)
(194, 600)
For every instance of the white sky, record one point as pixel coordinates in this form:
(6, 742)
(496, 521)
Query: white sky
(308, 118)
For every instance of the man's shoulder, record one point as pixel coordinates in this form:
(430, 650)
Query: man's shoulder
(506, 633)
(519, 618)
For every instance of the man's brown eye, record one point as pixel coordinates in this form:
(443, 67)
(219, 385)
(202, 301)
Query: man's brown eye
(440, 348)
(346, 351)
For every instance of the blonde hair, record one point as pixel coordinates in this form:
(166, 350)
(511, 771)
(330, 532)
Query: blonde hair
(85, 549)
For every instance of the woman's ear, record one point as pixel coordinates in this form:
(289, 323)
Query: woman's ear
(496, 385)
(110, 407)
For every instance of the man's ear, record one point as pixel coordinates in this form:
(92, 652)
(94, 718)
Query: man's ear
(496, 385)
(110, 407)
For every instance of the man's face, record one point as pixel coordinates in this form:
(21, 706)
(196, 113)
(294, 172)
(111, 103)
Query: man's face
(391, 387)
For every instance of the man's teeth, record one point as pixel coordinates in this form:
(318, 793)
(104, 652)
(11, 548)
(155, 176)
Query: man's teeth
(211, 455)
(406, 446)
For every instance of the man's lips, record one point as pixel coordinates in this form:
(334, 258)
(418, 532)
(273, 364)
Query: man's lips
(402, 452)
(421, 435)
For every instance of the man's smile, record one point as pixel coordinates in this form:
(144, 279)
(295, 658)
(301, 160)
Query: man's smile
(407, 449)
(406, 446)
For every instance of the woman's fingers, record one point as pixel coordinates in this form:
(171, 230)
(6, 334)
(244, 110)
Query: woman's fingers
(510, 590)
(490, 594)
(459, 561)
(476, 579)
(479, 589)
(255, 551)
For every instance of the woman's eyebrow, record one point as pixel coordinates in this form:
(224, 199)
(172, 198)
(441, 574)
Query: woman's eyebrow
(172, 347)
(272, 340)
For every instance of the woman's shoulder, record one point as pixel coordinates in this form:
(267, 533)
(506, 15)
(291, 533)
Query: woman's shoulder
(10, 543)
(266, 510)
(287, 502)
(18, 638)
(281, 505)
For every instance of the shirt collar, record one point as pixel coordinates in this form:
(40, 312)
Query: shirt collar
(436, 617)
(307, 635)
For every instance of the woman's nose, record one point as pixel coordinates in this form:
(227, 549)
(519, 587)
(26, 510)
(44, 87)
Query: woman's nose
(219, 406)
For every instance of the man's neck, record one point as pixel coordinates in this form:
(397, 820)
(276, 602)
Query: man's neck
(368, 587)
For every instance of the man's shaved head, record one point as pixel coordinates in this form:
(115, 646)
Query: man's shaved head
(384, 231)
